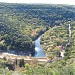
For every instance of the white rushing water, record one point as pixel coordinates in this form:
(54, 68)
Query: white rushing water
(69, 33)
(69, 40)
(39, 52)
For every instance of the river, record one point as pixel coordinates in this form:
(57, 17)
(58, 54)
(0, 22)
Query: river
(39, 52)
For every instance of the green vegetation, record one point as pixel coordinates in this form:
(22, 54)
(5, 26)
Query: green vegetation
(55, 68)
(21, 24)
(56, 39)
(18, 32)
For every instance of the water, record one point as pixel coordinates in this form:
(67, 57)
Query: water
(39, 52)
(69, 33)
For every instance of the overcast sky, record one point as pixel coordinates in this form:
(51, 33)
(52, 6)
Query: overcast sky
(71, 2)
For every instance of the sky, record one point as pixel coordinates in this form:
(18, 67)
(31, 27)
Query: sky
(70, 2)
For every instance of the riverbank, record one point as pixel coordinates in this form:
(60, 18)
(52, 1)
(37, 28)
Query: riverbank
(26, 58)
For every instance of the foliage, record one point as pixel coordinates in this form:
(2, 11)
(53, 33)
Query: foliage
(21, 24)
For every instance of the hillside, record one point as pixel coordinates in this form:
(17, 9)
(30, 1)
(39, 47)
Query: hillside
(57, 38)
(21, 24)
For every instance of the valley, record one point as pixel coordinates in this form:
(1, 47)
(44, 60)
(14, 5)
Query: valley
(37, 39)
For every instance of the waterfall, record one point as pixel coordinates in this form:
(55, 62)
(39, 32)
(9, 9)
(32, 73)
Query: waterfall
(69, 33)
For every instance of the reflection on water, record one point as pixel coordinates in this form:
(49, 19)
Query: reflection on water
(39, 52)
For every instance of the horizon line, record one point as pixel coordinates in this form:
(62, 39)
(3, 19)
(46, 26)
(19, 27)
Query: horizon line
(37, 3)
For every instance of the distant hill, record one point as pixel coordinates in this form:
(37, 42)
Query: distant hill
(51, 14)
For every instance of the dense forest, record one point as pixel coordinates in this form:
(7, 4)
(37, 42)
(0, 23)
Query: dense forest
(22, 24)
